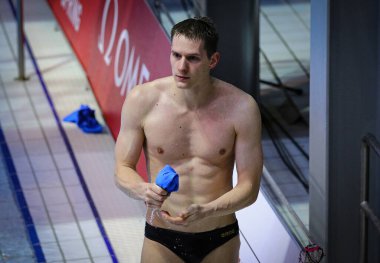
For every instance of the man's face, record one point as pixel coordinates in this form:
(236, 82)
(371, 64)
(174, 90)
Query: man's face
(189, 62)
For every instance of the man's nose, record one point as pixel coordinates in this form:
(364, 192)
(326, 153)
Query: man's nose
(182, 64)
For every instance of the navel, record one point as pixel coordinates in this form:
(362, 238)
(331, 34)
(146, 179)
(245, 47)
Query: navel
(160, 150)
(222, 151)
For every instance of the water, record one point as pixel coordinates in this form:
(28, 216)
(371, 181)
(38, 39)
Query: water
(153, 214)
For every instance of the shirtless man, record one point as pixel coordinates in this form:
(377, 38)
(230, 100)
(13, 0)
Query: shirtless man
(202, 127)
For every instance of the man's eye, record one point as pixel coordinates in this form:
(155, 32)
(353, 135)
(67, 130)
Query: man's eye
(176, 55)
(193, 58)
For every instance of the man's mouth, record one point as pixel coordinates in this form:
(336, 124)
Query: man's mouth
(182, 78)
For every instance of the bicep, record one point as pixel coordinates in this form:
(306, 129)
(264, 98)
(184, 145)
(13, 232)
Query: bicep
(128, 147)
(130, 140)
(248, 149)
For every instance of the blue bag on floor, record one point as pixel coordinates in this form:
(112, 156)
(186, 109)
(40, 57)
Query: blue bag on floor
(85, 120)
(167, 179)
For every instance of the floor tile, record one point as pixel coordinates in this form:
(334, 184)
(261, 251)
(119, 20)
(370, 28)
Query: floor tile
(74, 249)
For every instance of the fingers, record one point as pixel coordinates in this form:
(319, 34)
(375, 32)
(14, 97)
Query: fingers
(192, 210)
(158, 190)
(187, 216)
(177, 220)
(155, 196)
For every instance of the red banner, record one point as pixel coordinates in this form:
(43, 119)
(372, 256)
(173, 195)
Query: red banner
(119, 43)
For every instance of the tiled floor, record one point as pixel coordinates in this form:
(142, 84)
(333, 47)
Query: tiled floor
(14, 241)
(66, 175)
(55, 162)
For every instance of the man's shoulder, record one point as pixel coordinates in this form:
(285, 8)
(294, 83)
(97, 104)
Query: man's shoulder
(149, 91)
(234, 93)
(237, 100)
(154, 86)
(141, 99)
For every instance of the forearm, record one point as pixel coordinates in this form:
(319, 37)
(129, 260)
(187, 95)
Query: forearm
(130, 182)
(234, 200)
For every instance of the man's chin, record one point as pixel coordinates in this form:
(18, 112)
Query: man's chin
(182, 85)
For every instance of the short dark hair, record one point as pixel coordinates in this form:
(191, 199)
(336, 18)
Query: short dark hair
(198, 28)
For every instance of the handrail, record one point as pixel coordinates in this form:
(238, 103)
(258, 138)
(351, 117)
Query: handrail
(368, 142)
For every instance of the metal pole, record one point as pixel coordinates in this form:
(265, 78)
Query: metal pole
(21, 38)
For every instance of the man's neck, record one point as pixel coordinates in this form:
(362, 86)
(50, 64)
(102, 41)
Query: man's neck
(196, 96)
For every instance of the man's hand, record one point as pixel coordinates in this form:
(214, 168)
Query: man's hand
(193, 213)
(154, 195)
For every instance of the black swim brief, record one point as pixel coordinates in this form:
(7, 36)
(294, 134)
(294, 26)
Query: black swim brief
(191, 247)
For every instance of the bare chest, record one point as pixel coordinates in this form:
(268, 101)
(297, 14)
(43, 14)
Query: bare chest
(172, 135)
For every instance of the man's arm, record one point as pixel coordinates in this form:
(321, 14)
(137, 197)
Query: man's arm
(128, 148)
(249, 163)
(248, 159)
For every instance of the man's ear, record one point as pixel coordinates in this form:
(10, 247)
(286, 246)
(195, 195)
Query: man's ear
(214, 60)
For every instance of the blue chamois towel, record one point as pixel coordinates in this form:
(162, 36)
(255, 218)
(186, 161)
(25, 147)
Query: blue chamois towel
(167, 179)
(85, 120)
